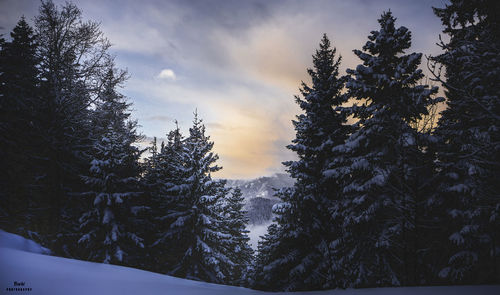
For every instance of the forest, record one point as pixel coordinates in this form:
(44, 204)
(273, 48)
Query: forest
(389, 190)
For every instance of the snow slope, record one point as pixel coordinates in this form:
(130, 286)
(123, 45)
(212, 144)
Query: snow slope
(60, 276)
(11, 241)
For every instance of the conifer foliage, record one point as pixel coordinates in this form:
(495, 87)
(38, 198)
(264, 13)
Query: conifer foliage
(50, 78)
(164, 173)
(19, 79)
(72, 56)
(379, 160)
(237, 248)
(114, 182)
(469, 146)
(303, 217)
(270, 271)
(197, 226)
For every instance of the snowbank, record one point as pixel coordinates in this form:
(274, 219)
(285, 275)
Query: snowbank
(60, 276)
(48, 275)
(12, 241)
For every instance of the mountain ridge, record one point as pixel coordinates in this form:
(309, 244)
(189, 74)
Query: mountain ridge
(259, 195)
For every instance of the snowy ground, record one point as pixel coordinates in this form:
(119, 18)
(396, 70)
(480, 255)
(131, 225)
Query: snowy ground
(23, 262)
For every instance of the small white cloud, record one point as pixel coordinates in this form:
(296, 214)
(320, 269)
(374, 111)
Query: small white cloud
(167, 74)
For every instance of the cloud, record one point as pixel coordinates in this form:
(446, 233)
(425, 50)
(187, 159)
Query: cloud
(214, 126)
(160, 118)
(12, 10)
(167, 74)
(249, 131)
(240, 62)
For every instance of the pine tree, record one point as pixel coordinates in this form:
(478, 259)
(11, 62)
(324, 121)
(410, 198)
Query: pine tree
(267, 249)
(164, 177)
(150, 181)
(148, 226)
(112, 110)
(469, 146)
(108, 231)
(306, 225)
(237, 248)
(198, 227)
(273, 251)
(379, 245)
(19, 139)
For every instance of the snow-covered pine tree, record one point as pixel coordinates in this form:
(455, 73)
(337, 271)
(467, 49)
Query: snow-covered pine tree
(379, 205)
(197, 230)
(270, 269)
(164, 177)
(427, 212)
(146, 224)
(265, 250)
(19, 140)
(237, 248)
(469, 147)
(306, 225)
(107, 233)
(112, 109)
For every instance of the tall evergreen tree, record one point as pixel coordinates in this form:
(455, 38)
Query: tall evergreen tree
(19, 85)
(307, 226)
(150, 181)
(237, 248)
(198, 226)
(270, 270)
(380, 205)
(108, 233)
(469, 146)
(164, 177)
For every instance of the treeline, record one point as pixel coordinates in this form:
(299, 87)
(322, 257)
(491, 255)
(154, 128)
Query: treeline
(72, 178)
(384, 195)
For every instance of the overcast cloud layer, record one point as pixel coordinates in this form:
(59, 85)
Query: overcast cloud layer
(238, 62)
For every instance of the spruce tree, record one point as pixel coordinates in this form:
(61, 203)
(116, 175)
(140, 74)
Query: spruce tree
(237, 248)
(266, 253)
(150, 180)
(164, 177)
(19, 139)
(108, 233)
(469, 145)
(273, 255)
(306, 224)
(197, 228)
(379, 246)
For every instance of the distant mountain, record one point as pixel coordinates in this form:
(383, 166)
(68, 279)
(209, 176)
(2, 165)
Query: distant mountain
(263, 186)
(259, 195)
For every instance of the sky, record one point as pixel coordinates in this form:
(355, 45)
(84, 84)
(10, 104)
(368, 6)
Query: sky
(238, 63)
